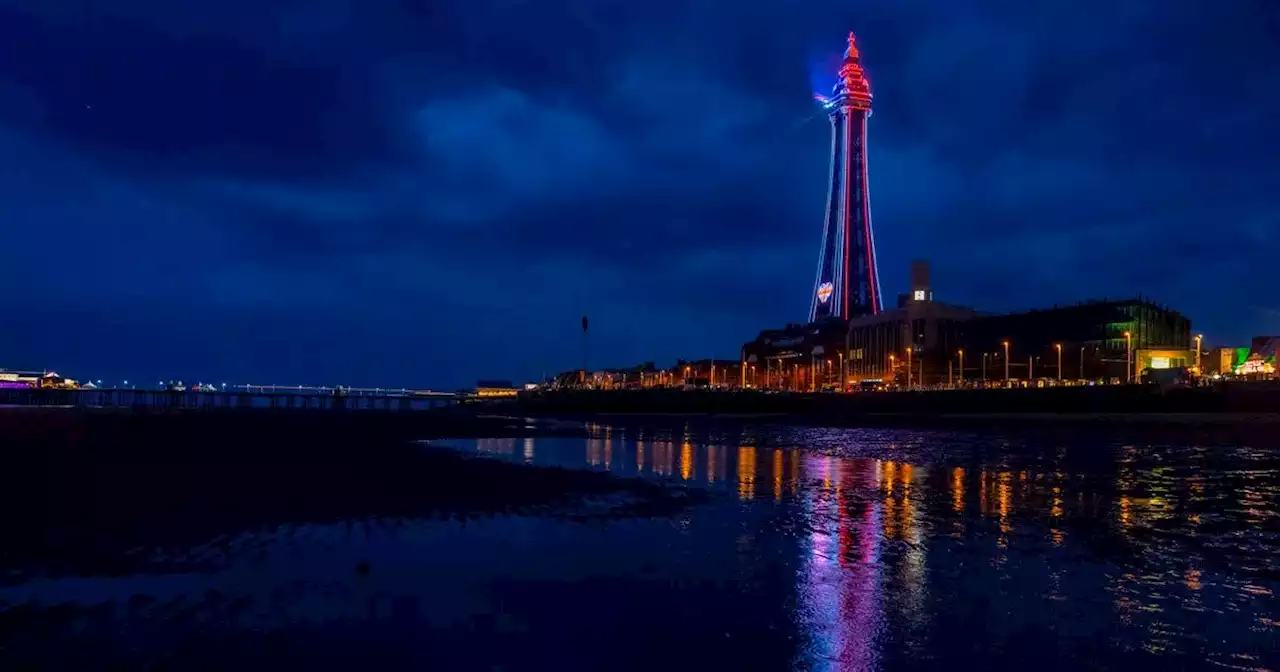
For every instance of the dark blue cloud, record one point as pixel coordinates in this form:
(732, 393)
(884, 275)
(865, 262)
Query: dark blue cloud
(423, 193)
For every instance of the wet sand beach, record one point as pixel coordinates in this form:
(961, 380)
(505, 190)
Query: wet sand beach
(277, 542)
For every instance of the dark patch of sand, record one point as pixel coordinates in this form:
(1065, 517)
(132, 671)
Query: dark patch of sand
(82, 499)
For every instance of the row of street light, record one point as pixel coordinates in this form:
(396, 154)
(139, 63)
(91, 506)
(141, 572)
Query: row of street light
(1128, 359)
(1129, 362)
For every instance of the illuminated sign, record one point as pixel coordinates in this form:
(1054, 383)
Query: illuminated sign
(824, 291)
(1159, 362)
(1255, 364)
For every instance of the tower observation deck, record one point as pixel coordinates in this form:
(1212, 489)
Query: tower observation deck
(847, 284)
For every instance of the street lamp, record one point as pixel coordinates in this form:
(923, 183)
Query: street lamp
(844, 379)
(961, 368)
(893, 369)
(1128, 357)
(908, 368)
(1199, 340)
(1006, 360)
(1059, 347)
(1082, 363)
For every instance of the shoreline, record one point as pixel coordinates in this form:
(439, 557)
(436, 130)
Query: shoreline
(906, 419)
(54, 423)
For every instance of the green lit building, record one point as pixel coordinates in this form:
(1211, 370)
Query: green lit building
(1082, 341)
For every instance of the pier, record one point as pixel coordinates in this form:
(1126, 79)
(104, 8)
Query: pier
(246, 396)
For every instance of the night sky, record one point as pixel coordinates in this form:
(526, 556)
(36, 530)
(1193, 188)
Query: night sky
(427, 192)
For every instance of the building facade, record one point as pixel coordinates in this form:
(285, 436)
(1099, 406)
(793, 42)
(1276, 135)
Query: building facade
(1088, 341)
(798, 357)
(913, 344)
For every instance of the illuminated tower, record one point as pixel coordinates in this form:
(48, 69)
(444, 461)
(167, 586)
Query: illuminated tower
(847, 284)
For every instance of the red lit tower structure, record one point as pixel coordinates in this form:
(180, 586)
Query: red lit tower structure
(847, 284)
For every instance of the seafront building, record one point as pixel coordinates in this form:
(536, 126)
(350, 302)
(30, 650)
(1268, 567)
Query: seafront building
(38, 379)
(928, 343)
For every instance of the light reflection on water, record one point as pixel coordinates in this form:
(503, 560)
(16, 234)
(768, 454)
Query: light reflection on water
(993, 545)
(819, 549)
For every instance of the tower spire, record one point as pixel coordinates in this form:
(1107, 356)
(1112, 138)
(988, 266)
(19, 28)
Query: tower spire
(853, 80)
